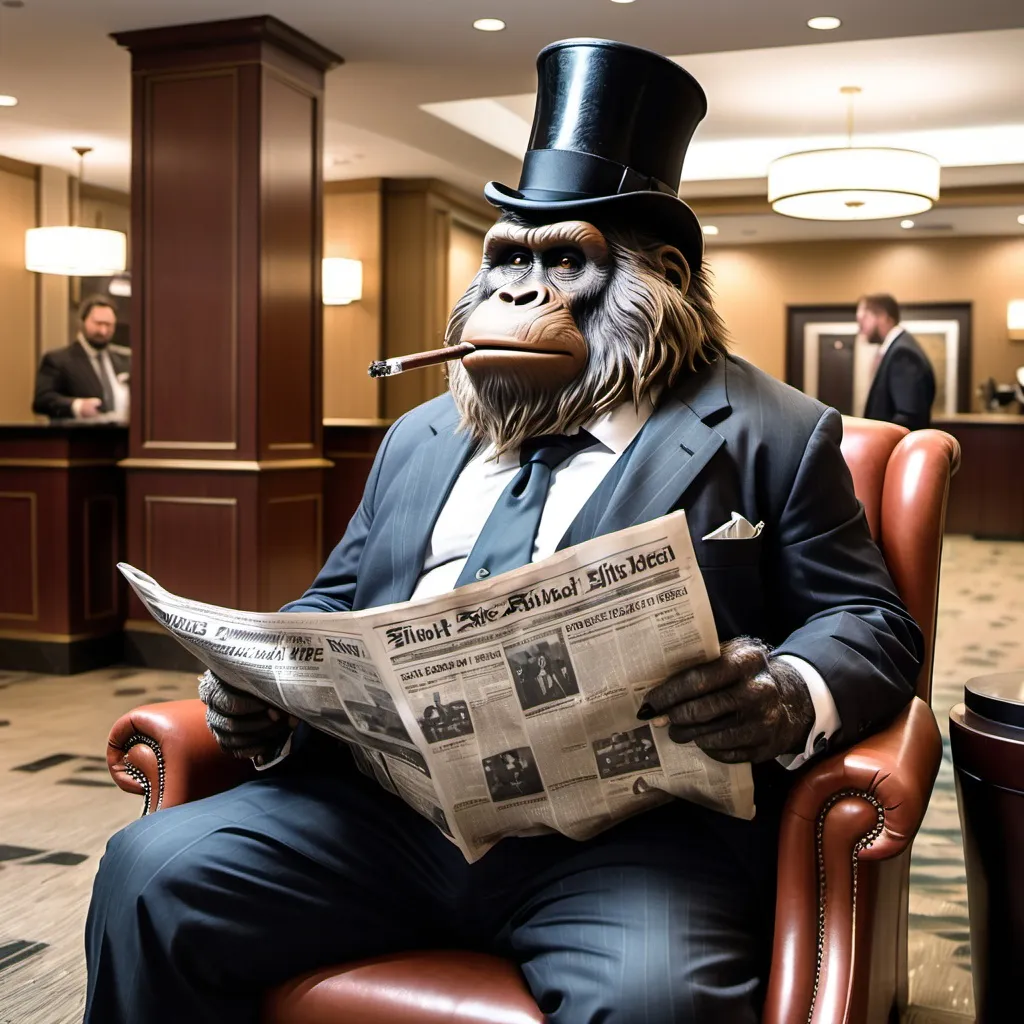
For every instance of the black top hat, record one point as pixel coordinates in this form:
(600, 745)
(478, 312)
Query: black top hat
(611, 128)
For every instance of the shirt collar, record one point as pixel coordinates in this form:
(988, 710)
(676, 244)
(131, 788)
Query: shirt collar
(614, 428)
(91, 352)
(890, 338)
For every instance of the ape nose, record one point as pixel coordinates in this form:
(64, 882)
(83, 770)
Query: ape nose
(524, 297)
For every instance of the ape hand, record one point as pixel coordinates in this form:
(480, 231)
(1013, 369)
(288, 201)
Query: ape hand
(243, 726)
(744, 706)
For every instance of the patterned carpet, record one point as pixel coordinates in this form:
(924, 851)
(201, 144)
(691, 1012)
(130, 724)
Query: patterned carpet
(58, 805)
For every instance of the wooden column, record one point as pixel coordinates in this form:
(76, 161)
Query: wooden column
(225, 467)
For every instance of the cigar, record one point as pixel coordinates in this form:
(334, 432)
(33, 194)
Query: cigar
(389, 367)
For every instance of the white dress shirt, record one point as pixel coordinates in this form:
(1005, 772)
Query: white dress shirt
(481, 482)
(104, 369)
(888, 340)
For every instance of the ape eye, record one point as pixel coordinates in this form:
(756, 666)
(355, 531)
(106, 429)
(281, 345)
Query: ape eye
(569, 261)
(518, 259)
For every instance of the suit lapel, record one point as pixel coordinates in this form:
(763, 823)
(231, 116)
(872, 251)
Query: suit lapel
(426, 484)
(664, 459)
(84, 368)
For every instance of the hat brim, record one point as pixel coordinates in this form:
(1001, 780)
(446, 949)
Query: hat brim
(666, 216)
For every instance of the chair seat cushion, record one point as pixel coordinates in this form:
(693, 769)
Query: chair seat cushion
(408, 988)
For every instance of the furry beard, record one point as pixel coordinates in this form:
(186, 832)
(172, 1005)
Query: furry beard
(641, 331)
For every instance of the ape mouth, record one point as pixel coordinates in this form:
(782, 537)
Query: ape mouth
(513, 346)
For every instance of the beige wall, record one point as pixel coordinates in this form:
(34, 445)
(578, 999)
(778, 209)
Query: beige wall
(756, 283)
(465, 251)
(352, 334)
(17, 297)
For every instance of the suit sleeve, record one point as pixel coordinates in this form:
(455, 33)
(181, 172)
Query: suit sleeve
(48, 400)
(841, 608)
(910, 392)
(334, 588)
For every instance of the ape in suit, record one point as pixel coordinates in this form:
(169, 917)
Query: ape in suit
(592, 311)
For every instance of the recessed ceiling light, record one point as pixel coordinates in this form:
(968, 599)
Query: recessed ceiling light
(824, 24)
(8, 101)
(1020, 219)
(906, 223)
(709, 229)
(622, 1)
(489, 24)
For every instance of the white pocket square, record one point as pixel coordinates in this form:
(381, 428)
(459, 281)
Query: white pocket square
(737, 528)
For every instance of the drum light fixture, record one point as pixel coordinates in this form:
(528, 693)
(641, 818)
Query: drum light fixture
(855, 182)
(76, 251)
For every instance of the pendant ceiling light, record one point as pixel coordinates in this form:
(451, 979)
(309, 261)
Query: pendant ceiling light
(853, 183)
(76, 251)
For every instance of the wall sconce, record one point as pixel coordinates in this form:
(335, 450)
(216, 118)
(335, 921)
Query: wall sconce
(1015, 319)
(342, 281)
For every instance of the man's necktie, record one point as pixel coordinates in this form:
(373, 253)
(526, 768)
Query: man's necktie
(507, 539)
(106, 375)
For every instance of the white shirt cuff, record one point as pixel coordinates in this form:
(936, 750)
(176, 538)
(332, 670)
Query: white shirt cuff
(278, 757)
(76, 408)
(826, 714)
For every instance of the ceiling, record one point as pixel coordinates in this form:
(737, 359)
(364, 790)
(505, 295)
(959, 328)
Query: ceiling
(947, 78)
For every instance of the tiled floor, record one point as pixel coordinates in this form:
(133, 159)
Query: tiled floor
(58, 805)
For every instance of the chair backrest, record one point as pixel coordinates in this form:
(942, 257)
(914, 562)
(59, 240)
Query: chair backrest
(902, 480)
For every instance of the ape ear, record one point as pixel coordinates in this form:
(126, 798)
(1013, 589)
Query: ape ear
(673, 267)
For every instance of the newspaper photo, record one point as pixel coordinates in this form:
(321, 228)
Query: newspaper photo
(505, 707)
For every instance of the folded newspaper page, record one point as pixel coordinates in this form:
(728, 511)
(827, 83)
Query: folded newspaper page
(505, 707)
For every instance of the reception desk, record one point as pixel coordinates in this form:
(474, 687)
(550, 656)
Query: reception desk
(986, 497)
(61, 536)
(63, 604)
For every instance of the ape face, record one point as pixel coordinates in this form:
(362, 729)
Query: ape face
(570, 319)
(534, 276)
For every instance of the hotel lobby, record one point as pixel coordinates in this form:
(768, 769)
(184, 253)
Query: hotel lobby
(261, 201)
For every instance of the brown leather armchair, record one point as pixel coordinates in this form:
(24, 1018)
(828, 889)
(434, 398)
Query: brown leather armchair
(844, 856)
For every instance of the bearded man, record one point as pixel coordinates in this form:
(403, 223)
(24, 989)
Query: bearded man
(600, 394)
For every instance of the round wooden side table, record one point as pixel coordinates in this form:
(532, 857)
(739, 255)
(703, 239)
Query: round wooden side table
(986, 736)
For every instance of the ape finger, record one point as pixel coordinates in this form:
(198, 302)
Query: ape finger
(734, 737)
(705, 709)
(213, 691)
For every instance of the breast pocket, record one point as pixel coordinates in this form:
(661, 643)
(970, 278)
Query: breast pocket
(733, 578)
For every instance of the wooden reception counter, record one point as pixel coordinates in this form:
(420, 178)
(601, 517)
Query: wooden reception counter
(986, 498)
(61, 536)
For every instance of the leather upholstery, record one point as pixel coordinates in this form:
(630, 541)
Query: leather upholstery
(840, 928)
(410, 988)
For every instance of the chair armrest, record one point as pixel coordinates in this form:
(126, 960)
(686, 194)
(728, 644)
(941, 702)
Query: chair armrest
(863, 804)
(165, 753)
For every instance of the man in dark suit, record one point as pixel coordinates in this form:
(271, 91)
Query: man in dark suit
(666, 917)
(903, 386)
(88, 380)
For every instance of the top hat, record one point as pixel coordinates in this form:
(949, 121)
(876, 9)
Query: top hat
(611, 128)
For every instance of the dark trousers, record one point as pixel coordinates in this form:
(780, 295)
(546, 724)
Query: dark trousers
(198, 909)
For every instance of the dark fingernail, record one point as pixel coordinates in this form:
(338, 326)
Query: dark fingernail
(646, 712)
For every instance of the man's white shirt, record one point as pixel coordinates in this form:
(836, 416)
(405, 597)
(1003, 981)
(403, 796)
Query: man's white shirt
(104, 369)
(484, 478)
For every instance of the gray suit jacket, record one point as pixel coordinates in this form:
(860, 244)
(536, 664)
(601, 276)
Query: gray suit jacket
(727, 438)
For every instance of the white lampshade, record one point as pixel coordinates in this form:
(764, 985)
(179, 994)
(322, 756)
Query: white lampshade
(342, 281)
(75, 252)
(1015, 319)
(856, 183)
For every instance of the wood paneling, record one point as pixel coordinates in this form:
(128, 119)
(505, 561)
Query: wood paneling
(352, 449)
(101, 544)
(290, 336)
(17, 298)
(19, 581)
(986, 497)
(352, 334)
(292, 529)
(188, 538)
(189, 344)
(61, 515)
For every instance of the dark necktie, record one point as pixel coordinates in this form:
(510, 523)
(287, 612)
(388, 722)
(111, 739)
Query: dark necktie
(105, 369)
(507, 538)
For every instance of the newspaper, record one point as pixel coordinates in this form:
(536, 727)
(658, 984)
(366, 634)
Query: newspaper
(505, 707)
